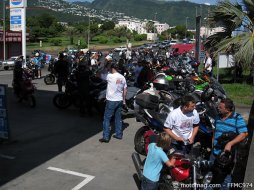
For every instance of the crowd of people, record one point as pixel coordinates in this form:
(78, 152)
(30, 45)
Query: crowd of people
(181, 125)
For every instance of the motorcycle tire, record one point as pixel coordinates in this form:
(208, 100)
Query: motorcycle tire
(32, 101)
(62, 101)
(49, 79)
(139, 140)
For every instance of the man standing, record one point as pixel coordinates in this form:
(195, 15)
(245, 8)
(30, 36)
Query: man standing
(208, 64)
(182, 124)
(227, 122)
(61, 69)
(115, 98)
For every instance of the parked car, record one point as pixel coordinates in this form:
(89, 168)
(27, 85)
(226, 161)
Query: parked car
(173, 42)
(121, 48)
(9, 63)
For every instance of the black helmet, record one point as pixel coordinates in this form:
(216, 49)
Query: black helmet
(114, 65)
(224, 160)
(207, 94)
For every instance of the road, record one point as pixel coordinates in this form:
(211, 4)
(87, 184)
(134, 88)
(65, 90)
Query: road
(53, 149)
(46, 141)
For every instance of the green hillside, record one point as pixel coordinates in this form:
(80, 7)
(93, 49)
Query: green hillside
(173, 13)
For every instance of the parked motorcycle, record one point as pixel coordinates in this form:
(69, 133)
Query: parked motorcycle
(24, 90)
(70, 96)
(188, 173)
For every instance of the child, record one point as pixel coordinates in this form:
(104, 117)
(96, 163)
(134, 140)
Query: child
(154, 162)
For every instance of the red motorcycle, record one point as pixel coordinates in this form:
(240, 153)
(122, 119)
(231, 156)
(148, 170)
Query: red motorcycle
(188, 173)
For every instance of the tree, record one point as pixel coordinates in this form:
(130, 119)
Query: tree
(232, 17)
(149, 27)
(108, 25)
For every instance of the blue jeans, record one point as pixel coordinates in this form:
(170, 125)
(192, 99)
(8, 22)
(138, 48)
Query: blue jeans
(112, 107)
(147, 184)
(228, 178)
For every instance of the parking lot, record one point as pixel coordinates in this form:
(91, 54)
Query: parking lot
(57, 149)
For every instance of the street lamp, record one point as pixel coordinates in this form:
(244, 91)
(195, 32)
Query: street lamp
(186, 25)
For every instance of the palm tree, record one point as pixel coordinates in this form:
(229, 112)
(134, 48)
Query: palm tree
(232, 17)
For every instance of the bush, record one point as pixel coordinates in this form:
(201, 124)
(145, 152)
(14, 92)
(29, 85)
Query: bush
(116, 40)
(123, 39)
(56, 42)
(103, 40)
(140, 37)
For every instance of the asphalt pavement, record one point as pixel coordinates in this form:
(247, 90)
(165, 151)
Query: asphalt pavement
(53, 149)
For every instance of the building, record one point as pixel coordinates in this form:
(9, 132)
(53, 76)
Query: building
(140, 26)
(13, 44)
(161, 27)
(206, 32)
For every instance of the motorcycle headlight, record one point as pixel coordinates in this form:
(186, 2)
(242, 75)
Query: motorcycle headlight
(208, 178)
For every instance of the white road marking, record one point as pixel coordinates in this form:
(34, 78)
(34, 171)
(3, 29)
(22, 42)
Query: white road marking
(7, 157)
(80, 185)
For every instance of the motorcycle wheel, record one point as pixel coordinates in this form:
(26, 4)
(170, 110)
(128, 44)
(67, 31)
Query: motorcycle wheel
(49, 79)
(62, 101)
(139, 140)
(32, 101)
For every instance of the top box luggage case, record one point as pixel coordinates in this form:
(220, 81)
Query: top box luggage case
(147, 101)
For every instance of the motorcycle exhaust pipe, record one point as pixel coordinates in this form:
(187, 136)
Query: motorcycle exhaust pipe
(138, 164)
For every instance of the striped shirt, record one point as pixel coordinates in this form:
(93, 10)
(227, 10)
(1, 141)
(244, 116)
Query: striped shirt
(235, 123)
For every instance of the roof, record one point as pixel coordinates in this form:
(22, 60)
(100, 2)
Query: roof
(185, 47)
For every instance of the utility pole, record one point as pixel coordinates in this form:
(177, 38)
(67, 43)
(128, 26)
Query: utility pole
(88, 34)
(4, 29)
(186, 25)
(154, 25)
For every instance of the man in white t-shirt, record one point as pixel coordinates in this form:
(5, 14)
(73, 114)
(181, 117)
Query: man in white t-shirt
(208, 63)
(182, 124)
(115, 98)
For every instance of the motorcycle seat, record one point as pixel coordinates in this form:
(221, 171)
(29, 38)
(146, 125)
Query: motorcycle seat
(159, 117)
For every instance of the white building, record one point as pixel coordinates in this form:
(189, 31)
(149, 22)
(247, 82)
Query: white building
(139, 26)
(204, 31)
(161, 27)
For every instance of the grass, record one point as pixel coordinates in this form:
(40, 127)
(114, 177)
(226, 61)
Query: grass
(240, 93)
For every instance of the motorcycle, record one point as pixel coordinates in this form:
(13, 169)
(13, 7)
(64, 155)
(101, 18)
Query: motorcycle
(153, 120)
(24, 90)
(188, 173)
(70, 96)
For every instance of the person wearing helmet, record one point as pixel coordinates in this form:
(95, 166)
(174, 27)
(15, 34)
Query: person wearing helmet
(18, 75)
(227, 122)
(37, 63)
(115, 98)
(61, 69)
(83, 75)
